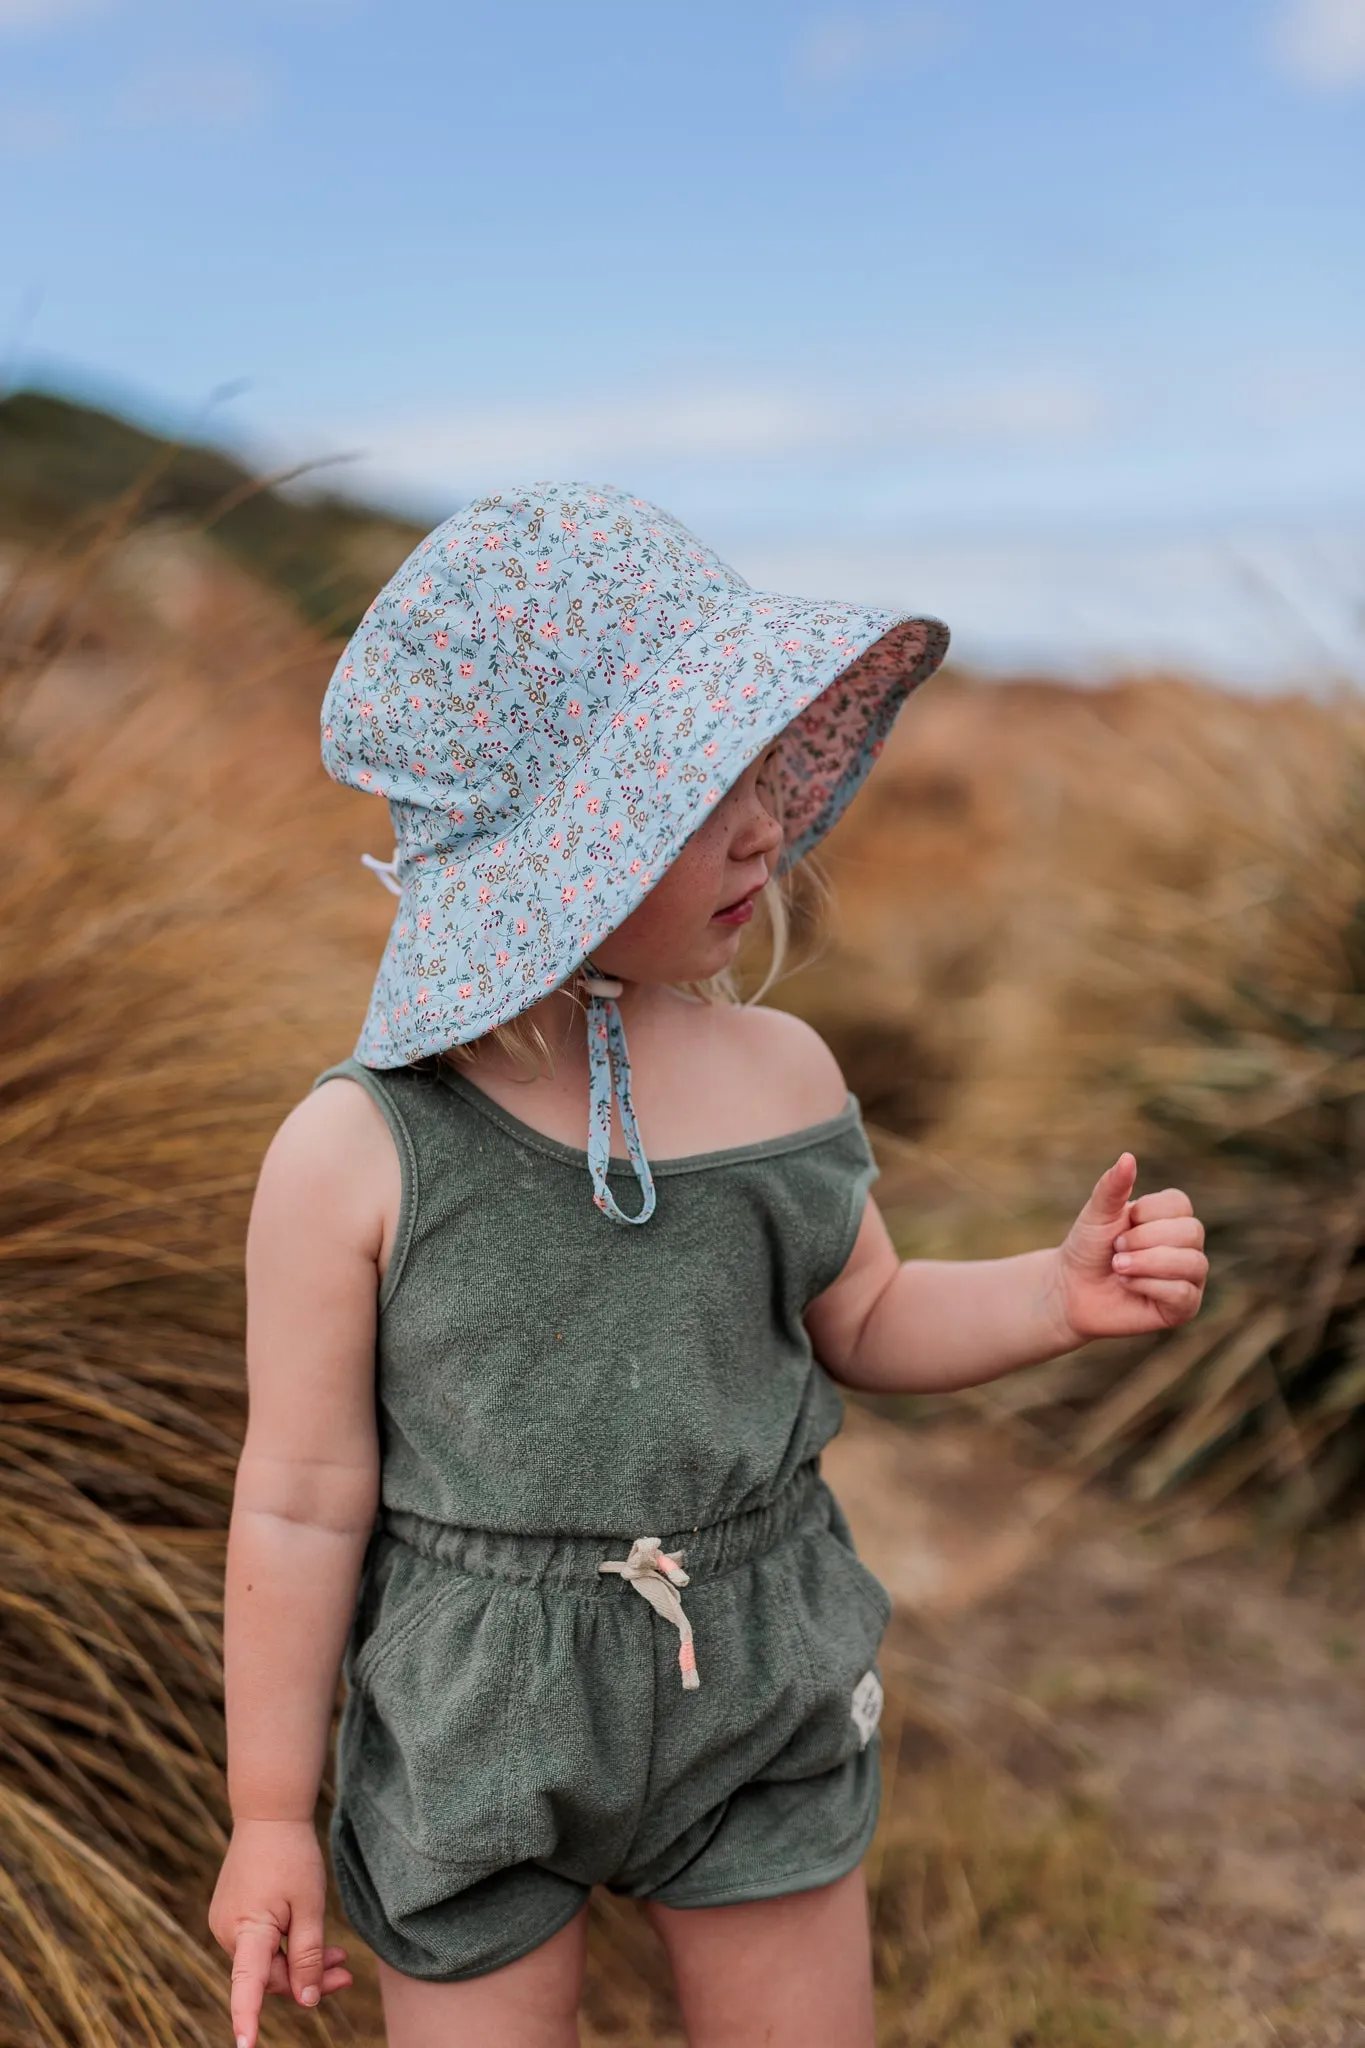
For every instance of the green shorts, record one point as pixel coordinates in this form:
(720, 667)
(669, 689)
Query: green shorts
(516, 1729)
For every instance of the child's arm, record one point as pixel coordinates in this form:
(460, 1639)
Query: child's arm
(930, 1325)
(306, 1493)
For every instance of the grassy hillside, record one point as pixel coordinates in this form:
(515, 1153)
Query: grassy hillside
(66, 469)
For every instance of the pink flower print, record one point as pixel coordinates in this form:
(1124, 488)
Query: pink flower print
(580, 789)
(728, 648)
(749, 690)
(675, 682)
(712, 574)
(451, 546)
(590, 882)
(505, 612)
(549, 630)
(803, 700)
(614, 829)
(686, 625)
(424, 921)
(416, 703)
(574, 708)
(466, 669)
(630, 671)
(628, 625)
(326, 732)
(419, 768)
(639, 504)
(641, 721)
(646, 590)
(520, 927)
(618, 721)
(710, 750)
(402, 931)
(711, 796)
(661, 770)
(365, 776)
(790, 646)
(466, 991)
(494, 540)
(594, 804)
(485, 893)
(556, 841)
(720, 704)
(840, 640)
(568, 526)
(456, 818)
(367, 711)
(763, 610)
(567, 893)
(451, 871)
(406, 605)
(636, 866)
(348, 673)
(500, 849)
(543, 566)
(424, 588)
(481, 720)
(422, 994)
(695, 554)
(502, 959)
(598, 534)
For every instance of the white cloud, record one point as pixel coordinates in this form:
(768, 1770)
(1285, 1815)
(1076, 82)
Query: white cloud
(722, 423)
(219, 94)
(839, 47)
(1320, 43)
(44, 14)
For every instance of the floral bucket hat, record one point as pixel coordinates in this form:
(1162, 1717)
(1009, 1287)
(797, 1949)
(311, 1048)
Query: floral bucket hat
(552, 692)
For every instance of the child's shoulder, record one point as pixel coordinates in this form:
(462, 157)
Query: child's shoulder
(334, 1144)
(779, 1059)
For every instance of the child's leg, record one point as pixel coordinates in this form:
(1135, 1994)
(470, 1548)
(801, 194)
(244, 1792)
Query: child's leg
(795, 1971)
(532, 2003)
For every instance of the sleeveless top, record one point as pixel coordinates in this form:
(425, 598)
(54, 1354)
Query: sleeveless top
(539, 1370)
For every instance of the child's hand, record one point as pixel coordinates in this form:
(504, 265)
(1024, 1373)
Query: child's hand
(1127, 1266)
(273, 1885)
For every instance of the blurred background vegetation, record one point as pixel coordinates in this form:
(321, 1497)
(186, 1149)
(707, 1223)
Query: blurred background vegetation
(1064, 920)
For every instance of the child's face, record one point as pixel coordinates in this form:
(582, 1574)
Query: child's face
(690, 924)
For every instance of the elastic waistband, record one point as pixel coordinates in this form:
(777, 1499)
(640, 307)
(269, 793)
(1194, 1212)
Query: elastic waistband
(573, 1560)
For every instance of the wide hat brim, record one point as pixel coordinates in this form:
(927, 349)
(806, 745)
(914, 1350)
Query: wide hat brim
(484, 930)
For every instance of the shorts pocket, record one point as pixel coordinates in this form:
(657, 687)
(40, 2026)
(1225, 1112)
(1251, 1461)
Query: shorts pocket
(839, 1611)
(422, 1759)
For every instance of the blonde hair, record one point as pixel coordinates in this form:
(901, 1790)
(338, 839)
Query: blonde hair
(793, 904)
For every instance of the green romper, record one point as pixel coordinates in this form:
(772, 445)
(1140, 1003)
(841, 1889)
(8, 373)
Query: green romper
(519, 1725)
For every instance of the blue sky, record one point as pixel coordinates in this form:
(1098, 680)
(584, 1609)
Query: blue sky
(1045, 315)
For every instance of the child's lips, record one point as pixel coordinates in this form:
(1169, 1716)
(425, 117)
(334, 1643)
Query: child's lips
(735, 913)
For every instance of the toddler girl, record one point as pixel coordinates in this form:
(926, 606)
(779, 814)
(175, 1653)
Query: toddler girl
(535, 1426)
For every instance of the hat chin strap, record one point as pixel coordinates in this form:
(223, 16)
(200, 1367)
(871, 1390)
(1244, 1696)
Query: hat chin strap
(608, 1062)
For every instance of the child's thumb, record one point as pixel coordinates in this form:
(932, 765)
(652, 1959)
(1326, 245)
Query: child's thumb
(304, 1953)
(1107, 1207)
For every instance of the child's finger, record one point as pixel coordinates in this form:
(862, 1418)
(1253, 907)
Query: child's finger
(1186, 1230)
(1180, 1297)
(257, 1942)
(305, 1953)
(1165, 1202)
(335, 1975)
(1163, 1262)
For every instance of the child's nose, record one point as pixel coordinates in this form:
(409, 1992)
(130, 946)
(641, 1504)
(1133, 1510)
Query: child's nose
(761, 833)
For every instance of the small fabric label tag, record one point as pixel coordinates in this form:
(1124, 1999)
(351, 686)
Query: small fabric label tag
(866, 1708)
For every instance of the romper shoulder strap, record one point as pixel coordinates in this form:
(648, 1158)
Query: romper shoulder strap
(387, 1087)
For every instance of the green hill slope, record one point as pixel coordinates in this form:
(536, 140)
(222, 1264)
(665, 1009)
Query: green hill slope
(67, 468)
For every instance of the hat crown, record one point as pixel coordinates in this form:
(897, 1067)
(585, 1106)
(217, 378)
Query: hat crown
(501, 649)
